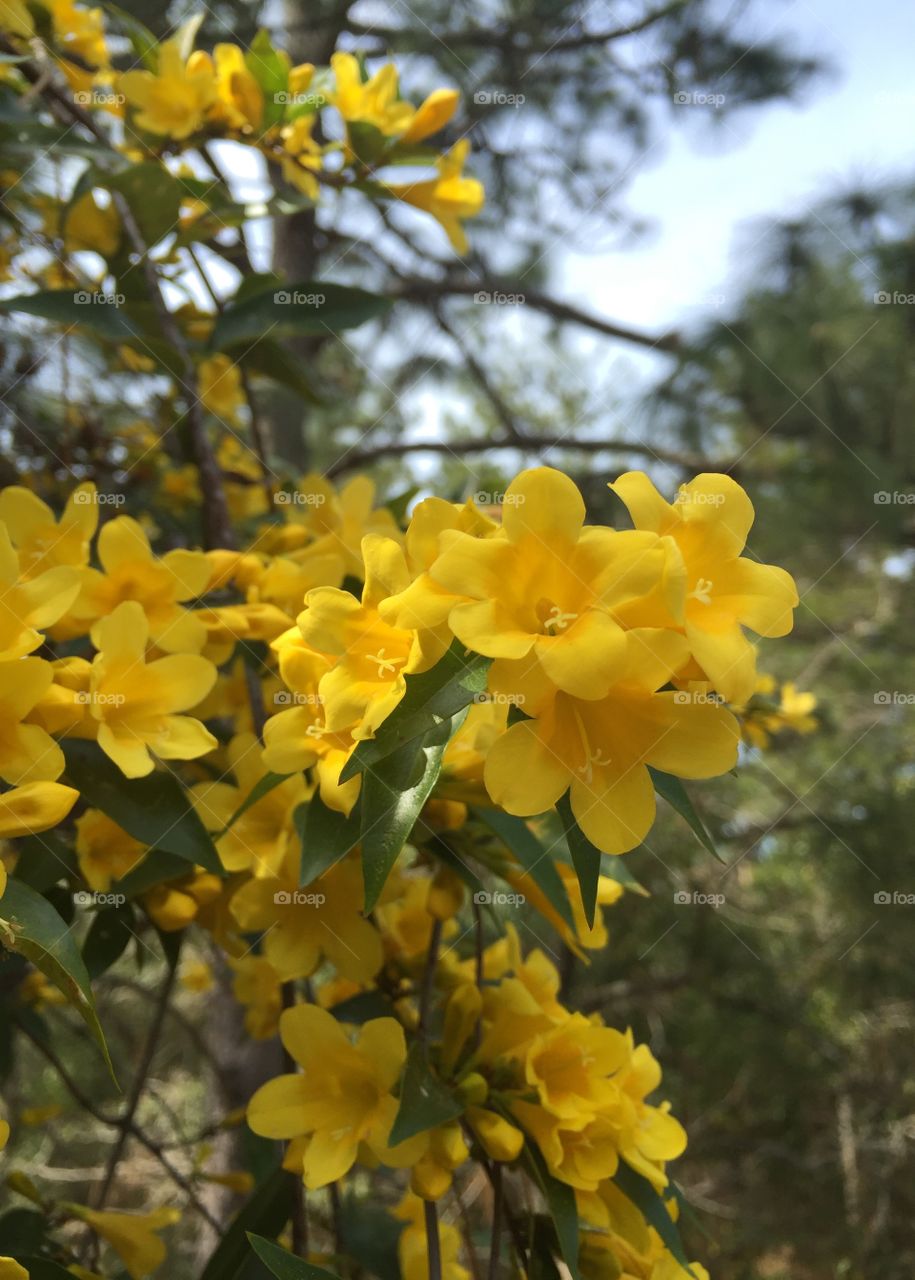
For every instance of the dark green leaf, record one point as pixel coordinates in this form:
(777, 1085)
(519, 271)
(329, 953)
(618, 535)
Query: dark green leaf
(643, 1195)
(671, 789)
(326, 836)
(43, 1268)
(267, 1211)
(76, 307)
(270, 360)
(431, 698)
(43, 860)
(107, 939)
(155, 810)
(424, 1100)
(586, 859)
(22, 1229)
(154, 198)
(284, 1265)
(362, 1007)
(536, 860)
(310, 307)
(560, 1201)
(157, 867)
(393, 794)
(37, 932)
(142, 41)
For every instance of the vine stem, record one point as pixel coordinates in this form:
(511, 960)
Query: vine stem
(433, 1242)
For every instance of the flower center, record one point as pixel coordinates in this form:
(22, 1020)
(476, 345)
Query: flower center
(553, 617)
(702, 591)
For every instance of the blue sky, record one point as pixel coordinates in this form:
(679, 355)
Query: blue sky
(700, 187)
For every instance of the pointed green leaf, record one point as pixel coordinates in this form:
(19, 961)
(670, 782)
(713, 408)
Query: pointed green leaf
(671, 789)
(643, 1195)
(326, 836)
(586, 858)
(560, 1200)
(285, 1265)
(35, 930)
(155, 810)
(267, 1210)
(108, 937)
(309, 307)
(80, 308)
(536, 860)
(424, 1100)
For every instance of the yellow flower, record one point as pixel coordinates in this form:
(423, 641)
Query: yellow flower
(432, 115)
(241, 100)
(174, 101)
(80, 31)
(302, 926)
(303, 156)
(197, 976)
(15, 18)
(548, 587)
(600, 749)
(41, 540)
(29, 605)
(257, 986)
(450, 197)
(569, 1066)
(221, 391)
(136, 702)
(10, 1269)
(90, 225)
(133, 1236)
(725, 591)
(34, 807)
(177, 903)
(374, 101)
(342, 1098)
(27, 752)
(104, 850)
(132, 572)
(412, 1247)
(260, 839)
(334, 523)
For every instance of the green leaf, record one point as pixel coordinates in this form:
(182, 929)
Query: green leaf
(37, 932)
(44, 860)
(586, 858)
(536, 860)
(309, 307)
(284, 1265)
(153, 195)
(269, 360)
(671, 789)
(431, 698)
(155, 810)
(326, 836)
(157, 867)
(653, 1209)
(107, 939)
(76, 307)
(424, 1100)
(267, 1210)
(560, 1201)
(22, 1229)
(393, 793)
(43, 1268)
(142, 41)
(271, 71)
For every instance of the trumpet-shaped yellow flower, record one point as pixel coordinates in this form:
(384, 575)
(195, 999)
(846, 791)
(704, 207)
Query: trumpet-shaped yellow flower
(342, 1098)
(599, 750)
(30, 605)
(374, 101)
(303, 156)
(450, 197)
(132, 572)
(177, 903)
(549, 586)
(303, 926)
(27, 752)
(174, 100)
(432, 115)
(105, 851)
(262, 837)
(133, 1236)
(42, 541)
(725, 591)
(137, 703)
(240, 99)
